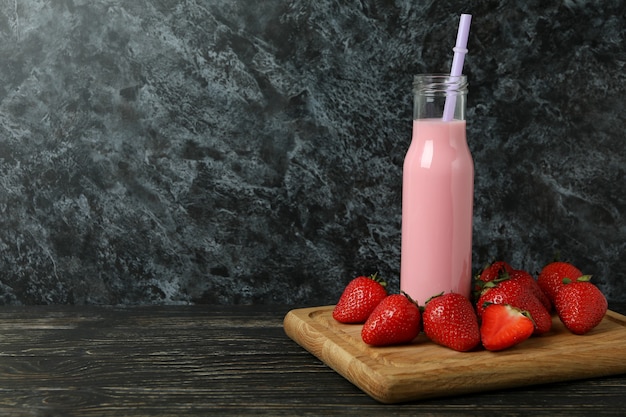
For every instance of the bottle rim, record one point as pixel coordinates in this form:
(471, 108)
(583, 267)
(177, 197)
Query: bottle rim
(440, 83)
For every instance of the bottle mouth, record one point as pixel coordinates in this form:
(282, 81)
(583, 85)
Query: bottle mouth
(439, 83)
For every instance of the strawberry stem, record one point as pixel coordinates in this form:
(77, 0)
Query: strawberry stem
(434, 296)
(378, 279)
(409, 297)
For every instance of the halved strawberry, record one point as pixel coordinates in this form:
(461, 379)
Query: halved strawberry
(504, 326)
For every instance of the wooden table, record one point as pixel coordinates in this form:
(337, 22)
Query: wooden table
(218, 360)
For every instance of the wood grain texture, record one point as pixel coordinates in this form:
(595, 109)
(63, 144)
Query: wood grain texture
(140, 361)
(218, 361)
(423, 369)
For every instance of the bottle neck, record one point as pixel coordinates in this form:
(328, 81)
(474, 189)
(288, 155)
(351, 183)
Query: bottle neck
(439, 96)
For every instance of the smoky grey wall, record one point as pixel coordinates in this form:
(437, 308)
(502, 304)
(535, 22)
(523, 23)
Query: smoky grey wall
(251, 152)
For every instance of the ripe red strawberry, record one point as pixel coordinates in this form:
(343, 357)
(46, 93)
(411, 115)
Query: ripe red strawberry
(551, 277)
(395, 320)
(518, 293)
(581, 306)
(494, 271)
(504, 326)
(450, 320)
(538, 312)
(359, 299)
(531, 283)
(493, 294)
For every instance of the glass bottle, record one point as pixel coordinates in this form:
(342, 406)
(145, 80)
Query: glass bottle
(437, 193)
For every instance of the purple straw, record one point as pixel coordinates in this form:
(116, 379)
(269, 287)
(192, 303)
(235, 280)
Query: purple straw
(460, 49)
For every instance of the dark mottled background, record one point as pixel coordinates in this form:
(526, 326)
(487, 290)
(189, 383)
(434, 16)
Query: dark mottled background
(251, 151)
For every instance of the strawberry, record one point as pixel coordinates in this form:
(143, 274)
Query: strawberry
(534, 287)
(581, 306)
(450, 320)
(359, 299)
(516, 291)
(494, 271)
(395, 320)
(504, 326)
(551, 277)
(538, 312)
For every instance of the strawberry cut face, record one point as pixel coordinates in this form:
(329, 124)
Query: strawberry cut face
(504, 326)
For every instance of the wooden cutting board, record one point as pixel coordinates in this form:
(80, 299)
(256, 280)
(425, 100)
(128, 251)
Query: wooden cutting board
(423, 369)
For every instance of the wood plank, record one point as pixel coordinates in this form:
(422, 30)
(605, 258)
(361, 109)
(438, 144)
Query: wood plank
(424, 370)
(217, 360)
(156, 361)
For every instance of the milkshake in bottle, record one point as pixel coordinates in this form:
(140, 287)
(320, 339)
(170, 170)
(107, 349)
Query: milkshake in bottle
(437, 193)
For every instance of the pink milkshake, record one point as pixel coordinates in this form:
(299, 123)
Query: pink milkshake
(437, 206)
